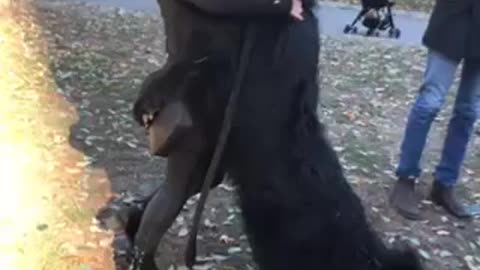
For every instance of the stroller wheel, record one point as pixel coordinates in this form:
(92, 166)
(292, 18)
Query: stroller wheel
(347, 29)
(354, 30)
(370, 32)
(397, 33)
(394, 33)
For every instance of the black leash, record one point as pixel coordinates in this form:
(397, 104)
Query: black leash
(230, 110)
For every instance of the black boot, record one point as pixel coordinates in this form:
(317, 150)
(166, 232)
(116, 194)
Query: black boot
(403, 198)
(445, 196)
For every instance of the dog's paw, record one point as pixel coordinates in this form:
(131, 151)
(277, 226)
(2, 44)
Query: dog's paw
(119, 212)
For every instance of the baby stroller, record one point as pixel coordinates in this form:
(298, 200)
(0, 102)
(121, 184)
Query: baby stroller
(377, 16)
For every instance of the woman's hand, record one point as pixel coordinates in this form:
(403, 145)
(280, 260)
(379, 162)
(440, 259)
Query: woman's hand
(297, 10)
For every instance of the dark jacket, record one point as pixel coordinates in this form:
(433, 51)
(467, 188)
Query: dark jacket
(454, 29)
(218, 24)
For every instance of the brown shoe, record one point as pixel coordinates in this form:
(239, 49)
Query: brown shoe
(403, 198)
(445, 196)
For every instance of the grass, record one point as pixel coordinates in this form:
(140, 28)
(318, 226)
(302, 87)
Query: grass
(42, 214)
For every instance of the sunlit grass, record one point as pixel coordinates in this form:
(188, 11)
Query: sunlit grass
(44, 223)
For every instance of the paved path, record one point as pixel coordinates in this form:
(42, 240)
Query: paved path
(333, 18)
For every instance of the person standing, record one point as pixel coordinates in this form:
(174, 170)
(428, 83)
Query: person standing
(197, 30)
(452, 35)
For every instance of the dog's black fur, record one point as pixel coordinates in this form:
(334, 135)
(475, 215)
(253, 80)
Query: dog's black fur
(298, 208)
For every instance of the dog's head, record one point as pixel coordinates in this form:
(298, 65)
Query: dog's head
(180, 103)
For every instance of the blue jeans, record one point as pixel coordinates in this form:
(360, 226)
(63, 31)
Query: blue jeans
(438, 78)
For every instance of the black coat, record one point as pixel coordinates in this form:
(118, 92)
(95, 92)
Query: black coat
(454, 29)
(216, 24)
(219, 24)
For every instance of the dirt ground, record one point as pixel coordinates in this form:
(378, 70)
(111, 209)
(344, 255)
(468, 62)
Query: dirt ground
(100, 55)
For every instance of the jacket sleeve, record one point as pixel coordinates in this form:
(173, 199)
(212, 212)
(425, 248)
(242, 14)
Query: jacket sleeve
(243, 7)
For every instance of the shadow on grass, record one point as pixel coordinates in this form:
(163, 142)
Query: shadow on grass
(96, 81)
